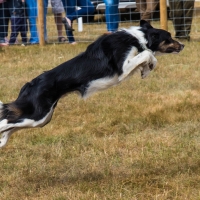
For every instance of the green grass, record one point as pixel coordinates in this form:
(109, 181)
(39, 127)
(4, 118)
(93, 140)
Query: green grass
(139, 140)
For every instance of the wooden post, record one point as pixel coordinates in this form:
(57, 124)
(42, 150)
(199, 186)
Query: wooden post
(163, 15)
(41, 22)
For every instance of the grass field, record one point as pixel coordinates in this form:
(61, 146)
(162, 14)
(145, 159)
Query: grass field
(137, 141)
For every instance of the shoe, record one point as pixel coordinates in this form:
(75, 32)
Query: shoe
(24, 44)
(33, 43)
(16, 41)
(183, 37)
(66, 24)
(73, 43)
(6, 40)
(3, 43)
(108, 33)
(62, 39)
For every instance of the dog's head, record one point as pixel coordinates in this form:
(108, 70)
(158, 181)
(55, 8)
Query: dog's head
(160, 41)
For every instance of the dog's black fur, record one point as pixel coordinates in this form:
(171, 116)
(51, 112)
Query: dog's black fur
(106, 62)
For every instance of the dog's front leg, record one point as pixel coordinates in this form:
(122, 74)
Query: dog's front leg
(144, 61)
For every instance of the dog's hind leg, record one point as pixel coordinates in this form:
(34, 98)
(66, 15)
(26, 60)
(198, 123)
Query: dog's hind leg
(5, 136)
(7, 127)
(145, 61)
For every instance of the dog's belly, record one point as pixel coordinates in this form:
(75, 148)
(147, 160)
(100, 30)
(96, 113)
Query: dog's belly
(101, 84)
(106, 82)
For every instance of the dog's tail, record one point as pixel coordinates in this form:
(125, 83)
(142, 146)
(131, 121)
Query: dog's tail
(13, 111)
(9, 113)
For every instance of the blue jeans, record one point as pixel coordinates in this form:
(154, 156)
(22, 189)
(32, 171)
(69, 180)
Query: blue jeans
(32, 17)
(112, 14)
(86, 6)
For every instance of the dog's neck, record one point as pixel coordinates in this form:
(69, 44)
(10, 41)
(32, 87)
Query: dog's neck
(140, 35)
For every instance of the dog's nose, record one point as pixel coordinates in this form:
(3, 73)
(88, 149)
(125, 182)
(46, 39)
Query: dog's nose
(181, 45)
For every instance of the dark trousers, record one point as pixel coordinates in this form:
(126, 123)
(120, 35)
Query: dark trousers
(181, 12)
(4, 19)
(146, 8)
(18, 24)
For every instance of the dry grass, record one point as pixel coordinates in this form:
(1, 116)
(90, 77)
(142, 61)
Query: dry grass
(137, 141)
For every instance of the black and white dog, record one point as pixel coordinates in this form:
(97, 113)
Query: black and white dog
(106, 62)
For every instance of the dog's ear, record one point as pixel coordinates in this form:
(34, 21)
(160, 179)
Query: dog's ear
(144, 24)
(152, 38)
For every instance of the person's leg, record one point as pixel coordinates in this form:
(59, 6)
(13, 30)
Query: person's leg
(112, 14)
(57, 9)
(187, 17)
(23, 30)
(70, 7)
(59, 25)
(176, 13)
(15, 28)
(4, 19)
(141, 7)
(58, 21)
(32, 17)
(150, 8)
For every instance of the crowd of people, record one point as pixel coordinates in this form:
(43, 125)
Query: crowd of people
(21, 11)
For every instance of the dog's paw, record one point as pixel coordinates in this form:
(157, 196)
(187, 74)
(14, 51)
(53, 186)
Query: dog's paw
(153, 62)
(148, 64)
(4, 139)
(146, 69)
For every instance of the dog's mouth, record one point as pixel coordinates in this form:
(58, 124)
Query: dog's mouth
(174, 47)
(179, 49)
(176, 51)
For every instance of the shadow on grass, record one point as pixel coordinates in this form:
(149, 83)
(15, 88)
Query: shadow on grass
(179, 112)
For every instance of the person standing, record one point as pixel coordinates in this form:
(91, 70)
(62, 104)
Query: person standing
(4, 20)
(57, 9)
(112, 15)
(72, 13)
(146, 8)
(18, 21)
(31, 6)
(181, 12)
